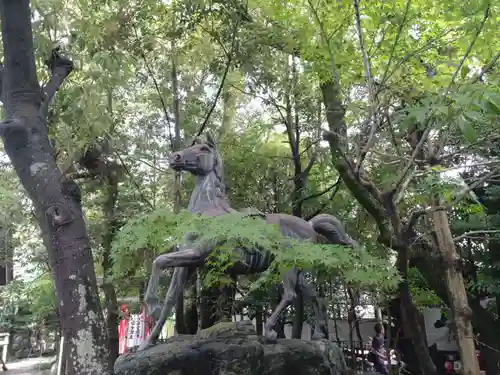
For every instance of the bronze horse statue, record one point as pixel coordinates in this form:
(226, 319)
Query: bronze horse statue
(203, 160)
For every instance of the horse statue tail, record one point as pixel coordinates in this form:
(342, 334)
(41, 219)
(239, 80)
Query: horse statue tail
(332, 229)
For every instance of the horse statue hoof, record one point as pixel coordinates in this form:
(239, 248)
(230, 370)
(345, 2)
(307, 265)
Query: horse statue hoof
(271, 335)
(146, 344)
(154, 310)
(318, 336)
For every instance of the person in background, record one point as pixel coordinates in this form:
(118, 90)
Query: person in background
(378, 349)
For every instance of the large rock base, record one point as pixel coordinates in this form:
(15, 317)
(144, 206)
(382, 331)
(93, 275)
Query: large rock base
(234, 349)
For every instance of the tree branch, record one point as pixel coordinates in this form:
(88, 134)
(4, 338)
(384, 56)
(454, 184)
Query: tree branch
(471, 45)
(157, 88)
(134, 182)
(416, 150)
(60, 67)
(487, 68)
(396, 40)
(326, 40)
(323, 192)
(462, 193)
(371, 94)
(223, 80)
(320, 209)
(411, 54)
(474, 232)
(309, 165)
(417, 213)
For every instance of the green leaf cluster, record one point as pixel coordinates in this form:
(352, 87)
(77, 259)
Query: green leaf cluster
(157, 231)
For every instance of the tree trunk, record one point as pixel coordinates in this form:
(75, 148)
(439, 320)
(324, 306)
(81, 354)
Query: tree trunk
(57, 200)
(457, 294)
(112, 315)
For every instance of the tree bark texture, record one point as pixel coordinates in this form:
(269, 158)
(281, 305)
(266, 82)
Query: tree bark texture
(56, 200)
(457, 294)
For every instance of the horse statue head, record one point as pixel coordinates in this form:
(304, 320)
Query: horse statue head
(201, 159)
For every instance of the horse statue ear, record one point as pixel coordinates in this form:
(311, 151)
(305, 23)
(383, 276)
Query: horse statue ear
(210, 140)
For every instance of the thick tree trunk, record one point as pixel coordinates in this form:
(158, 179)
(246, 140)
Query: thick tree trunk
(457, 294)
(57, 201)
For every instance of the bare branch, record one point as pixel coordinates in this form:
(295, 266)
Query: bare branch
(462, 193)
(326, 40)
(371, 94)
(424, 48)
(417, 213)
(471, 45)
(307, 169)
(321, 193)
(403, 188)
(414, 154)
(474, 234)
(487, 68)
(80, 176)
(311, 145)
(157, 88)
(134, 182)
(395, 142)
(230, 56)
(334, 193)
(396, 40)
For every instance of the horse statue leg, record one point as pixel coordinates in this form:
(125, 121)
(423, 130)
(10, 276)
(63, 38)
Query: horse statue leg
(181, 260)
(176, 284)
(151, 295)
(289, 294)
(310, 294)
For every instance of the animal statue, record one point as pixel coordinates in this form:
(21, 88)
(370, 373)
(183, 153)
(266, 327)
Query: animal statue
(203, 160)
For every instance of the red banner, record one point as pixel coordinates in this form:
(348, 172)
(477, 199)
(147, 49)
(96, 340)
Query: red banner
(122, 331)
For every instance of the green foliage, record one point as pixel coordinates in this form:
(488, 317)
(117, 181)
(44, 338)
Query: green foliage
(27, 304)
(161, 228)
(423, 296)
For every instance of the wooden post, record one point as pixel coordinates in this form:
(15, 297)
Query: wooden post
(4, 342)
(457, 293)
(61, 361)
